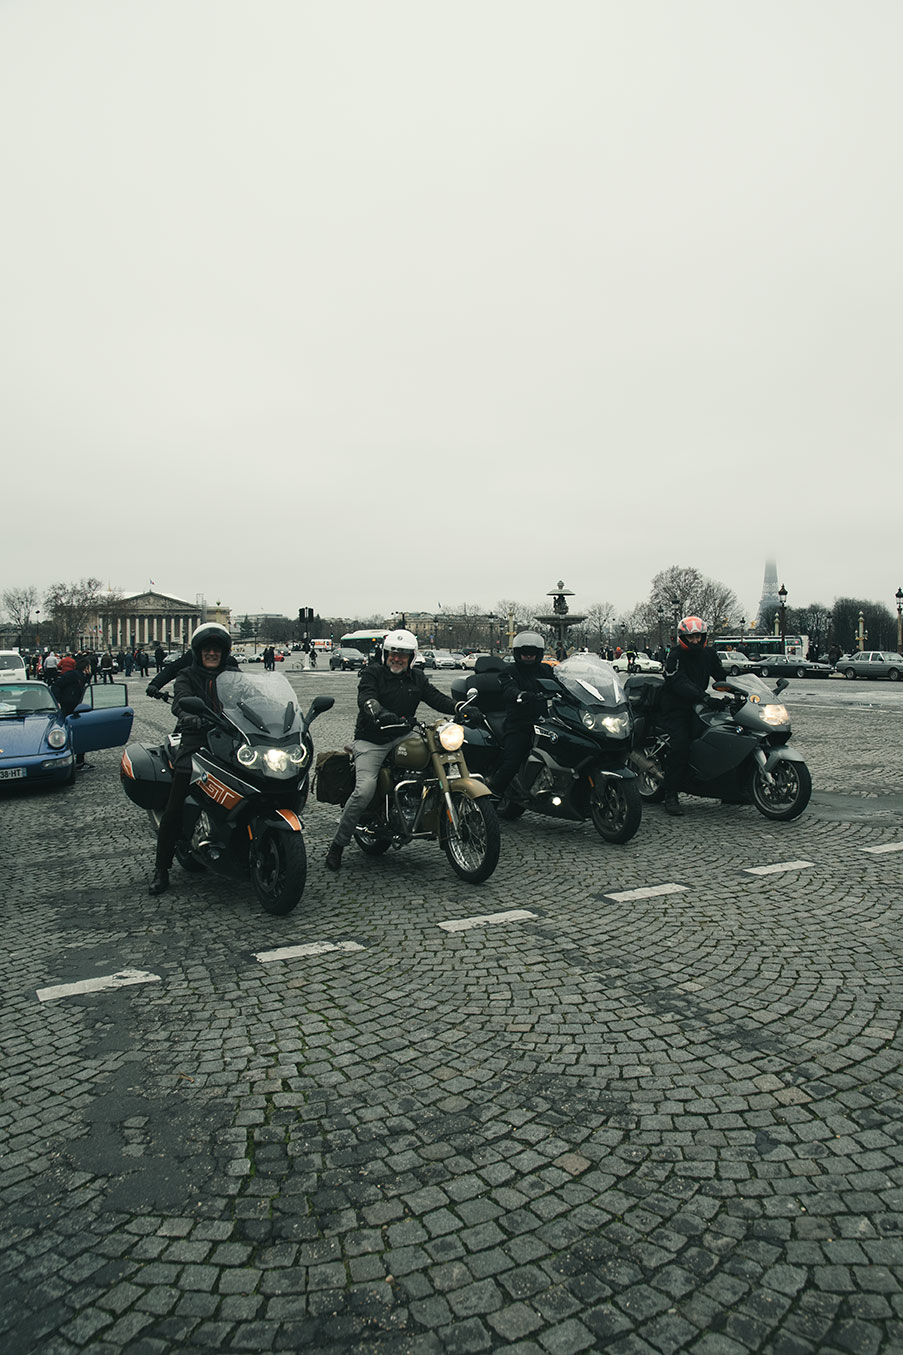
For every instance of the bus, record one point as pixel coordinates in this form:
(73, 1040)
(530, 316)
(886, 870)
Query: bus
(763, 646)
(366, 641)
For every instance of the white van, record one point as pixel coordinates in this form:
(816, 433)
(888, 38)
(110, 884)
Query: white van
(12, 665)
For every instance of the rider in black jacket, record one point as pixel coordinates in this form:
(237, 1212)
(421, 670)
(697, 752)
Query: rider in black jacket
(689, 668)
(387, 698)
(524, 704)
(211, 646)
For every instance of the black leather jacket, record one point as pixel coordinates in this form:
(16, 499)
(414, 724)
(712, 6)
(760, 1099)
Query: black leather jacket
(399, 693)
(687, 675)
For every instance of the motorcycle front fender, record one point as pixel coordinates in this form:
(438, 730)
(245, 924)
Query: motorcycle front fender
(617, 773)
(284, 820)
(783, 754)
(469, 786)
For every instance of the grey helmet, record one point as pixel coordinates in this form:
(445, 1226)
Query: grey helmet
(528, 640)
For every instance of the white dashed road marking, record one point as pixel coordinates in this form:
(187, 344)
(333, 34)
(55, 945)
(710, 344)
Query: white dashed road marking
(124, 979)
(487, 920)
(778, 867)
(298, 952)
(887, 847)
(650, 892)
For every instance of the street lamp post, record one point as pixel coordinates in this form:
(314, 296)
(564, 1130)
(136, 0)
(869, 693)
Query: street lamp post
(899, 596)
(661, 618)
(782, 594)
(675, 607)
(860, 639)
(491, 619)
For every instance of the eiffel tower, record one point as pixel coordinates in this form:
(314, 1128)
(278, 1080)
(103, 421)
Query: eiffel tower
(770, 602)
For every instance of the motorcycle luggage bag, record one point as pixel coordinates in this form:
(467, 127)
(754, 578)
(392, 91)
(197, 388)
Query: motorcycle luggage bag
(644, 692)
(334, 777)
(145, 775)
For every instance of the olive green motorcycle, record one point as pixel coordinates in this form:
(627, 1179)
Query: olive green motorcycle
(426, 793)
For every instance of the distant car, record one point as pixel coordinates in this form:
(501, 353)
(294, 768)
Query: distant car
(460, 660)
(872, 663)
(12, 665)
(279, 656)
(346, 659)
(641, 664)
(39, 743)
(443, 659)
(424, 658)
(735, 663)
(790, 665)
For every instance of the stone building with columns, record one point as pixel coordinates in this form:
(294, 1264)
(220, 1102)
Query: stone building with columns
(150, 618)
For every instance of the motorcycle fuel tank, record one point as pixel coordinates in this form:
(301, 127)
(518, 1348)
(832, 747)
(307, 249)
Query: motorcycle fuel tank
(411, 752)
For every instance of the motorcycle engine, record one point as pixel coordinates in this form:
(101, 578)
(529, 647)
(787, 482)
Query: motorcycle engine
(203, 831)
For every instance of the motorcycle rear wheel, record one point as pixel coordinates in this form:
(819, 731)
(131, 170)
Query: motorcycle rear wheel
(370, 840)
(472, 851)
(650, 779)
(787, 796)
(279, 870)
(616, 809)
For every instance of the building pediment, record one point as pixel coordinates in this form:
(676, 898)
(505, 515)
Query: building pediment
(155, 602)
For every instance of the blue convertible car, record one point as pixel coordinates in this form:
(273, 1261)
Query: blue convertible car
(38, 744)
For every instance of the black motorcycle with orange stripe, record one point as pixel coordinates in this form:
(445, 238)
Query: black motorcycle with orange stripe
(249, 785)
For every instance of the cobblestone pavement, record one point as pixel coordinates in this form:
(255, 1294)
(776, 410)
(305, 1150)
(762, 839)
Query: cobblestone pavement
(664, 1123)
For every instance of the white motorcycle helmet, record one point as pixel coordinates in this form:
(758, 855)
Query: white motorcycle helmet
(529, 644)
(211, 633)
(400, 642)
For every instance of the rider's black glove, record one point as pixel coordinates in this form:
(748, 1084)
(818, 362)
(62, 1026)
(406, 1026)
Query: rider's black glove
(387, 719)
(151, 690)
(191, 722)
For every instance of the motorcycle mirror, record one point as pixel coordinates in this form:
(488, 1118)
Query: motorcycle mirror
(321, 703)
(780, 685)
(193, 705)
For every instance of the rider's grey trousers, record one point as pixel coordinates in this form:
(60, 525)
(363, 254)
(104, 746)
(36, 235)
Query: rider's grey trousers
(368, 758)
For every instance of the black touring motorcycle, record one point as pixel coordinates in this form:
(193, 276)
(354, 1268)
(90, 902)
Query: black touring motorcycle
(740, 750)
(578, 766)
(248, 786)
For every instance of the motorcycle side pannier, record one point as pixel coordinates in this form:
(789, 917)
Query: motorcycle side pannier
(335, 778)
(145, 775)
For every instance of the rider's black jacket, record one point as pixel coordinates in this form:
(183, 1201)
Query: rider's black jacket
(399, 693)
(196, 680)
(687, 675)
(518, 679)
(171, 670)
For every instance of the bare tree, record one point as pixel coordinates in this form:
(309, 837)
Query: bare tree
(681, 589)
(71, 605)
(19, 603)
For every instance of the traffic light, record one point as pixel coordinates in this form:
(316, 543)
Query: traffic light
(305, 614)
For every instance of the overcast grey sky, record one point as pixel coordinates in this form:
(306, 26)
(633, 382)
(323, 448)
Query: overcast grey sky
(371, 304)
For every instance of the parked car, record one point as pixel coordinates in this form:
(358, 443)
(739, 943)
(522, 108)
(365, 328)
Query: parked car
(735, 663)
(424, 658)
(346, 659)
(641, 664)
(39, 744)
(790, 665)
(443, 659)
(12, 665)
(872, 663)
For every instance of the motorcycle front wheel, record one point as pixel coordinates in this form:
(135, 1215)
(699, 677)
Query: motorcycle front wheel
(472, 851)
(279, 870)
(616, 808)
(786, 795)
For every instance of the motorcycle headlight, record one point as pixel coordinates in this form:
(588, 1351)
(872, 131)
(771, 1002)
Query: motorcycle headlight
(57, 738)
(298, 756)
(451, 736)
(276, 760)
(247, 755)
(616, 725)
(775, 715)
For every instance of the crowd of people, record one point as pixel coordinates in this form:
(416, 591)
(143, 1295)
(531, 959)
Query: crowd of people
(45, 664)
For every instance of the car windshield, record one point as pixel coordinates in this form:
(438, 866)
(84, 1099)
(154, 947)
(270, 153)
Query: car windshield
(260, 703)
(591, 680)
(26, 700)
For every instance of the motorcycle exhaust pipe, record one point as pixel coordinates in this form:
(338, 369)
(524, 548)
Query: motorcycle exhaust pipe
(643, 764)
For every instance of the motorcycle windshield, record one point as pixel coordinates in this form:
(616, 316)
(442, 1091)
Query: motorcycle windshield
(591, 681)
(754, 687)
(261, 703)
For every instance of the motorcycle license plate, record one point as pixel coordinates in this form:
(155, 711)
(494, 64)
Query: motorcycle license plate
(11, 773)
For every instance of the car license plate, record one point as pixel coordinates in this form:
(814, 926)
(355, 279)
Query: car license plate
(11, 773)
